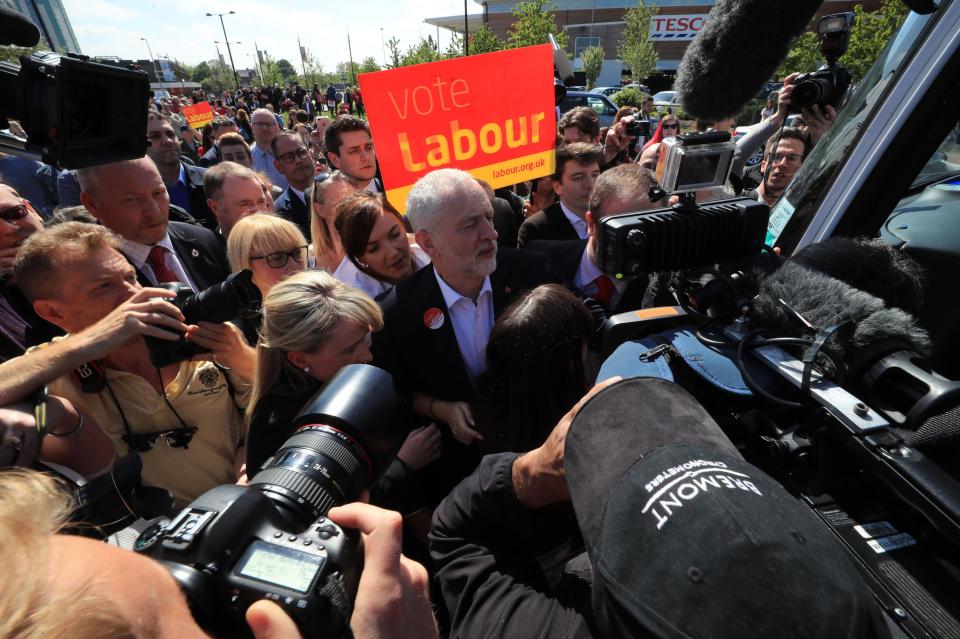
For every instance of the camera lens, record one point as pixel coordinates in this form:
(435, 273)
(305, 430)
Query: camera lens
(810, 91)
(223, 301)
(347, 436)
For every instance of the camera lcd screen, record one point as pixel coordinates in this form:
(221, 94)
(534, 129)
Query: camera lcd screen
(280, 566)
(696, 170)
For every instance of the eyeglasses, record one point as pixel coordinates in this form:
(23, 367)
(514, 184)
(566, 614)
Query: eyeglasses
(15, 212)
(289, 158)
(175, 438)
(265, 124)
(792, 159)
(671, 126)
(279, 259)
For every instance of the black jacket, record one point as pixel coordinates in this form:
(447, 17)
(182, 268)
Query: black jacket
(428, 360)
(484, 546)
(198, 196)
(548, 224)
(566, 255)
(200, 252)
(290, 207)
(189, 152)
(211, 157)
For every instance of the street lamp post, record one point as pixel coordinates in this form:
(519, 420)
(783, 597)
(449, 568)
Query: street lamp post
(236, 78)
(383, 49)
(235, 75)
(156, 66)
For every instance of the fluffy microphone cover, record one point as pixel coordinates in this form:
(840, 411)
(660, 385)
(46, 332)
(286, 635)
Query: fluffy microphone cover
(737, 51)
(824, 301)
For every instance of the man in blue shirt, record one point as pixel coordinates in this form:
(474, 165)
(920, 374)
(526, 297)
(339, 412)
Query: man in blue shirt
(264, 130)
(184, 182)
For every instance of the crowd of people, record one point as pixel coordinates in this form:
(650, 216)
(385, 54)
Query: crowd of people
(483, 305)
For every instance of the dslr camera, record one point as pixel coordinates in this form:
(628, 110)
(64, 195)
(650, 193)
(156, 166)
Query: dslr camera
(639, 129)
(235, 545)
(235, 296)
(827, 85)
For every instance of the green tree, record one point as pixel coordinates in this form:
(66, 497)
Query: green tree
(871, 32)
(592, 59)
(368, 65)
(484, 40)
(393, 46)
(200, 72)
(13, 54)
(287, 72)
(455, 48)
(533, 20)
(635, 48)
(423, 51)
(628, 97)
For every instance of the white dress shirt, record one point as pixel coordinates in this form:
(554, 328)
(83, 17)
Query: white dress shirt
(472, 323)
(588, 272)
(579, 224)
(138, 253)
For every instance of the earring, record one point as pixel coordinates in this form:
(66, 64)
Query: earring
(306, 369)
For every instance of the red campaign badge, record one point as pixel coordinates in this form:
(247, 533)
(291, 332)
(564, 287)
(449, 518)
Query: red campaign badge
(433, 318)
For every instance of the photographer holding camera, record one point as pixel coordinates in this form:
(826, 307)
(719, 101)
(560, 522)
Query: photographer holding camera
(184, 418)
(61, 585)
(683, 537)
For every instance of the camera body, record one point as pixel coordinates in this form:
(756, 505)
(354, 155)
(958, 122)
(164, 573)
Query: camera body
(232, 547)
(827, 85)
(271, 540)
(695, 161)
(227, 300)
(638, 129)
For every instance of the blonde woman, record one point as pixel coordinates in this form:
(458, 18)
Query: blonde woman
(327, 194)
(268, 245)
(313, 325)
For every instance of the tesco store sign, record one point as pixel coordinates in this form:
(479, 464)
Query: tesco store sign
(676, 27)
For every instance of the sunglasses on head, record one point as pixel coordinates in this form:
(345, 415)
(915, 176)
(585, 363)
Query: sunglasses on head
(175, 438)
(15, 212)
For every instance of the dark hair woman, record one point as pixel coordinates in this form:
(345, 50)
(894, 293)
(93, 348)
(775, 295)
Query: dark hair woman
(535, 368)
(375, 241)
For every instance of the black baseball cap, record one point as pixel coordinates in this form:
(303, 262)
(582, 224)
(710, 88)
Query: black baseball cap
(686, 539)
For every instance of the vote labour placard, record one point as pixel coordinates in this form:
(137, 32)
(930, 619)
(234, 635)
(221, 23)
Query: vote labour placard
(491, 114)
(199, 115)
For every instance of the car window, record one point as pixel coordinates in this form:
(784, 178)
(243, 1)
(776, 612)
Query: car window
(802, 197)
(600, 106)
(572, 101)
(944, 162)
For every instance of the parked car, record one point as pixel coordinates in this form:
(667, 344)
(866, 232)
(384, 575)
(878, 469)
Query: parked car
(641, 87)
(599, 103)
(665, 99)
(607, 91)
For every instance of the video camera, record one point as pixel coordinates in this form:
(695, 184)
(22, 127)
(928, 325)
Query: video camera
(75, 113)
(234, 297)
(827, 85)
(818, 383)
(235, 545)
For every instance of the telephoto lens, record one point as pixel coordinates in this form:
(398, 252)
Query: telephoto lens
(347, 435)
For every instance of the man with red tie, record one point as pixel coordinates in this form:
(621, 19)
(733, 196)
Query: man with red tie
(623, 189)
(130, 199)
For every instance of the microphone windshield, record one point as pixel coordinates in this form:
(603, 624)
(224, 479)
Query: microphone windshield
(16, 29)
(737, 51)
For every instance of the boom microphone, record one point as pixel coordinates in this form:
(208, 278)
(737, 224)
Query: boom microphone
(737, 51)
(16, 29)
(867, 326)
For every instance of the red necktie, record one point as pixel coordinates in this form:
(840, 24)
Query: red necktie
(161, 271)
(604, 290)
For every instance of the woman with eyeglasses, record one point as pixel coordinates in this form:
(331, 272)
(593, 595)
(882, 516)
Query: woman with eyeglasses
(376, 244)
(313, 325)
(270, 246)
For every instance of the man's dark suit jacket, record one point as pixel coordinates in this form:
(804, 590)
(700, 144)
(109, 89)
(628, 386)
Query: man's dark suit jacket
(548, 224)
(566, 256)
(200, 252)
(189, 152)
(290, 207)
(198, 196)
(428, 360)
(211, 157)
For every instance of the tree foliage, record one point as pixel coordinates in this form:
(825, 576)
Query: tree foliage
(455, 48)
(368, 65)
(13, 54)
(396, 58)
(871, 32)
(423, 51)
(628, 97)
(286, 69)
(592, 59)
(484, 40)
(533, 20)
(635, 48)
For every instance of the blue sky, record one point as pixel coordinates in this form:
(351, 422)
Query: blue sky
(180, 29)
